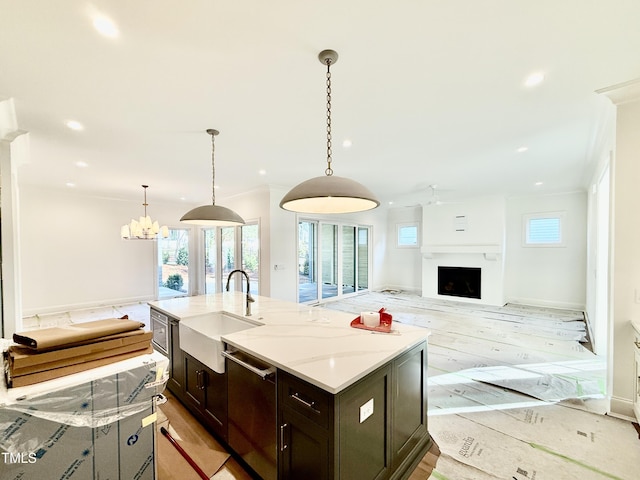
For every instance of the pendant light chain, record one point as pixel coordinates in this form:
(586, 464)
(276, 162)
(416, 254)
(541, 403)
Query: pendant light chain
(213, 134)
(145, 204)
(329, 170)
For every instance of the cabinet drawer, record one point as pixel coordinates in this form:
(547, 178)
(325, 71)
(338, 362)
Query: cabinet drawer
(306, 399)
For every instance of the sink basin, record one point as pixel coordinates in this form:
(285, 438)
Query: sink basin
(200, 336)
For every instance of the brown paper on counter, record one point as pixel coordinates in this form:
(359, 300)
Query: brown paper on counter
(23, 361)
(57, 337)
(24, 380)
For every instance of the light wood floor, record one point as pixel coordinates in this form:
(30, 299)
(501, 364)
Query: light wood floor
(207, 452)
(199, 444)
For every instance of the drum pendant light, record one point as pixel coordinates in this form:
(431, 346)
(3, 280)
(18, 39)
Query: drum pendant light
(212, 215)
(329, 193)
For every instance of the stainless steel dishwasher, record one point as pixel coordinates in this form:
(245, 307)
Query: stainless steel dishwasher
(252, 411)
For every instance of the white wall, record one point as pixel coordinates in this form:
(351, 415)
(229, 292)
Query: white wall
(552, 276)
(626, 253)
(283, 239)
(72, 255)
(403, 265)
(484, 218)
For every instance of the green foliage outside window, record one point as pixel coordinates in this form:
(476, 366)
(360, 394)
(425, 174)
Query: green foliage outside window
(174, 282)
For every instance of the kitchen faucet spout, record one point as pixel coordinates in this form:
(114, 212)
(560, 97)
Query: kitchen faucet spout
(250, 299)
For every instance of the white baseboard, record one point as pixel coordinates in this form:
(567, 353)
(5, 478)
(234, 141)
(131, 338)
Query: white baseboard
(622, 408)
(539, 302)
(61, 309)
(405, 289)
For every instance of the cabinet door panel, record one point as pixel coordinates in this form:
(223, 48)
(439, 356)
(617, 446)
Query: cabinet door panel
(364, 450)
(410, 406)
(194, 381)
(304, 448)
(215, 402)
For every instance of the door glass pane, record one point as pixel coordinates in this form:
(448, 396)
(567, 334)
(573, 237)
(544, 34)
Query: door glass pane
(363, 258)
(250, 247)
(329, 260)
(348, 259)
(173, 264)
(228, 256)
(210, 260)
(307, 260)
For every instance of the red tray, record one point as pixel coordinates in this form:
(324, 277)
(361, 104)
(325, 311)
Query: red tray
(385, 322)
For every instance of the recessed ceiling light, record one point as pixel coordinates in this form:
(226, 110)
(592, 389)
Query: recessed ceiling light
(534, 79)
(537, 184)
(81, 164)
(523, 149)
(105, 26)
(262, 172)
(347, 143)
(73, 125)
(70, 184)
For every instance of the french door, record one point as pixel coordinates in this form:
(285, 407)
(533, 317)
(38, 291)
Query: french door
(333, 260)
(230, 248)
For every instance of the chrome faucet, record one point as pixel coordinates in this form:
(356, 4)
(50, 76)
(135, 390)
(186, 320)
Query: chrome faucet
(250, 299)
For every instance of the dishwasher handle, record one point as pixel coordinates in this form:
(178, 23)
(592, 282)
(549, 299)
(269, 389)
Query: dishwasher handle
(262, 373)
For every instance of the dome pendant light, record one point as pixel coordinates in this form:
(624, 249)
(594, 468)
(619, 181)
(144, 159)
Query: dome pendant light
(212, 215)
(329, 193)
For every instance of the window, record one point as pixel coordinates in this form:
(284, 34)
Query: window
(173, 264)
(250, 255)
(228, 257)
(210, 260)
(333, 260)
(407, 235)
(543, 230)
(230, 248)
(307, 261)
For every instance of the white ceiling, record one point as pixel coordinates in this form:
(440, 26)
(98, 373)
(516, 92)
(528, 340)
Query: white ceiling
(429, 92)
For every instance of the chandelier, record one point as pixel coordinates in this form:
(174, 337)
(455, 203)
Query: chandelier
(144, 228)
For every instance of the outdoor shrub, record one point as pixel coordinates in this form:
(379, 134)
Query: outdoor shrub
(183, 257)
(174, 282)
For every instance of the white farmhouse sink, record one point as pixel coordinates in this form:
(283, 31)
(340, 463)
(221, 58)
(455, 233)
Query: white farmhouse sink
(200, 336)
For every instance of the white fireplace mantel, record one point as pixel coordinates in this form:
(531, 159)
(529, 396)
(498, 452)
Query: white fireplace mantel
(490, 250)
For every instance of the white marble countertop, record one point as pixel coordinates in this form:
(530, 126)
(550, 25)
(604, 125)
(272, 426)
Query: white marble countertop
(312, 343)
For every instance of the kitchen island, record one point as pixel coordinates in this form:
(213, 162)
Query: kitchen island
(345, 402)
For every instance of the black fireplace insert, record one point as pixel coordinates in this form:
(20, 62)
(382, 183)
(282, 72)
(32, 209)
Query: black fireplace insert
(459, 281)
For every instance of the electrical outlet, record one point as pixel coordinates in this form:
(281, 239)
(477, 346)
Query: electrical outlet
(637, 295)
(278, 266)
(366, 410)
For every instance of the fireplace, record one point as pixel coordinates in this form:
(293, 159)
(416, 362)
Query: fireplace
(459, 282)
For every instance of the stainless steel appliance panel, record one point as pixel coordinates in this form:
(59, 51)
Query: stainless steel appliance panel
(160, 329)
(252, 412)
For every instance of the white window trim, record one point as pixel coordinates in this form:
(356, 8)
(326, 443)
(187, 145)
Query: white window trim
(399, 226)
(532, 216)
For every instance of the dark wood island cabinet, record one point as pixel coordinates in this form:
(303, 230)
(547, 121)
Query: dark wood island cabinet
(331, 413)
(374, 429)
